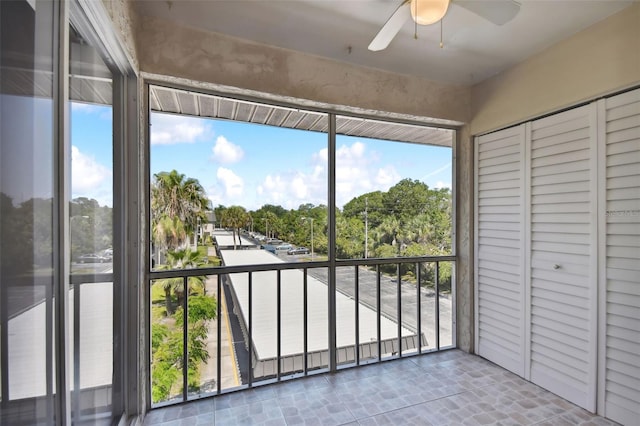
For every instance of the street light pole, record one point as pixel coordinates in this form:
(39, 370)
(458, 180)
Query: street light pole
(311, 221)
(311, 237)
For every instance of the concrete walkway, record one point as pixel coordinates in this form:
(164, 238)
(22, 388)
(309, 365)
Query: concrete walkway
(229, 377)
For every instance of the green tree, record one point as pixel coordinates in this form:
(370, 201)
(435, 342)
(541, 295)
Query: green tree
(167, 348)
(181, 259)
(180, 198)
(370, 205)
(235, 217)
(349, 237)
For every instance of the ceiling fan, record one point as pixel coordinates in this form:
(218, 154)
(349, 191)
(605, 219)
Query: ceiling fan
(426, 12)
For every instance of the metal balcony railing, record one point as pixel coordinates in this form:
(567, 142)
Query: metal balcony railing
(275, 318)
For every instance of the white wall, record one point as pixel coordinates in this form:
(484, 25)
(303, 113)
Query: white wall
(599, 60)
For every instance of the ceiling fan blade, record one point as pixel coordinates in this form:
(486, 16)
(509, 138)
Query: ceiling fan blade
(497, 11)
(391, 27)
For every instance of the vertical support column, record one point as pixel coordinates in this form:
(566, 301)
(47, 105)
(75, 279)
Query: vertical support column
(332, 243)
(61, 176)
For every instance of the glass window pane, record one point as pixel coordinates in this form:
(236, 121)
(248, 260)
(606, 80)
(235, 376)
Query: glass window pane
(27, 200)
(234, 193)
(393, 198)
(241, 186)
(91, 304)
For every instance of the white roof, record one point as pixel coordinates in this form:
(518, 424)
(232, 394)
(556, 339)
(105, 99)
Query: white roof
(28, 341)
(264, 321)
(224, 238)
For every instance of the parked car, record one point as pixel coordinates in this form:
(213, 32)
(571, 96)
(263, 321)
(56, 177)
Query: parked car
(298, 250)
(284, 247)
(92, 258)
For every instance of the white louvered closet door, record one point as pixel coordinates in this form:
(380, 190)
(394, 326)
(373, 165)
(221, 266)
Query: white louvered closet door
(499, 248)
(620, 257)
(563, 255)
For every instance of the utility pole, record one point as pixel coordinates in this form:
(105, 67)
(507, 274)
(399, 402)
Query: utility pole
(366, 227)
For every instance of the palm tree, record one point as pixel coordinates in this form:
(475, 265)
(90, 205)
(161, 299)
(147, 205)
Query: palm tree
(177, 198)
(181, 259)
(169, 232)
(235, 217)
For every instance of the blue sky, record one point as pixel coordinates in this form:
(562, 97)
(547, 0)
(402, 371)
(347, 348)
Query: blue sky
(252, 165)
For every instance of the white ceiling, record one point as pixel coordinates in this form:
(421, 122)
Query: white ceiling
(474, 48)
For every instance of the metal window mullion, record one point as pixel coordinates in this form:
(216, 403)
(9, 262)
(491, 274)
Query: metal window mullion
(250, 331)
(49, 351)
(332, 318)
(357, 313)
(305, 290)
(437, 282)
(399, 309)
(419, 306)
(185, 340)
(219, 337)
(279, 324)
(378, 320)
(61, 179)
(76, 352)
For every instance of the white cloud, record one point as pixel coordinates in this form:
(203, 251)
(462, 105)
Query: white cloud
(167, 129)
(82, 107)
(104, 112)
(387, 176)
(440, 184)
(357, 172)
(89, 178)
(226, 152)
(232, 184)
(290, 189)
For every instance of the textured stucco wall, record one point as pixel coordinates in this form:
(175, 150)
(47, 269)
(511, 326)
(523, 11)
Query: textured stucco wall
(123, 18)
(599, 60)
(464, 241)
(168, 49)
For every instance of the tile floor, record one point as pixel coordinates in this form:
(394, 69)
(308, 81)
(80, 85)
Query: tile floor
(446, 388)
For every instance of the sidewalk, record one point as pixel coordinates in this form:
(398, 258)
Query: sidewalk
(229, 377)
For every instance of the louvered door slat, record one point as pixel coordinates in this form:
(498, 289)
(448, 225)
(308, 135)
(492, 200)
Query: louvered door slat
(621, 275)
(499, 248)
(563, 330)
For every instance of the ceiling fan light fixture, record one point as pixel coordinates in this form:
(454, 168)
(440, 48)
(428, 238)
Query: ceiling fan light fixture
(427, 12)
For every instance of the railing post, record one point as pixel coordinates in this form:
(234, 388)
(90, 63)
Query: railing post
(75, 414)
(378, 313)
(357, 313)
(185, 339)
(219, 337)
(279, 324)
(437, 282)
(399, 308)
(305, 361)
(419, 306)
(250, 337)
